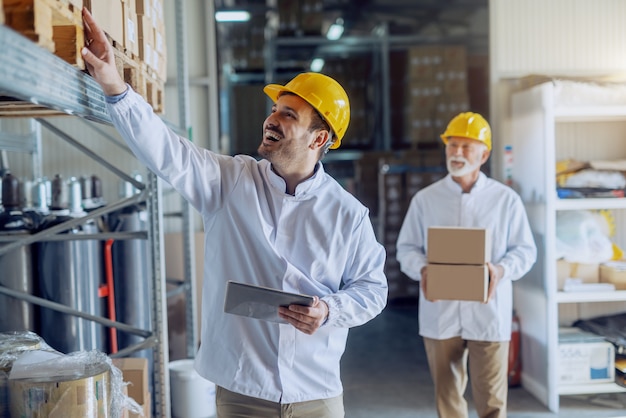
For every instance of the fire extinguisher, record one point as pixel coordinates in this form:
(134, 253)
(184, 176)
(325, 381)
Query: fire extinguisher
(515, 358)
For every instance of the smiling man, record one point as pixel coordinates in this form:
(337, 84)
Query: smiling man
(280, 222)
(461, 334)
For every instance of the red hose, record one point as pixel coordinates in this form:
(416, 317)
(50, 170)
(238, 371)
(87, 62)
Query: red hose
(108, 271)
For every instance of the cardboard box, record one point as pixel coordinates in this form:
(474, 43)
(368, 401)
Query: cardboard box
(614, 272)
(110, 17)
(131, 30)
(584, 358)
(587, 272)
(458, 282)
(135, 371)
(452, 245)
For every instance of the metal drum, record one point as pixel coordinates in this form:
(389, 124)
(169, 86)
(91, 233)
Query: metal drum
(70, 273)
(16, 265)
(131, 276)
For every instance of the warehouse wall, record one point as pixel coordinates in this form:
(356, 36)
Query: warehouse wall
(555, 38)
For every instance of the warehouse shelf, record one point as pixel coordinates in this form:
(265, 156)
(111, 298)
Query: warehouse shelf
(589, 113)
(582, 297)
(550, 123)
(44, 82)
(591, 204)
(36, 84)
(595, 388)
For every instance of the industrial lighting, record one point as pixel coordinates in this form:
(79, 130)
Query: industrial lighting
(232, 16)
(317, 64)
(335, 30)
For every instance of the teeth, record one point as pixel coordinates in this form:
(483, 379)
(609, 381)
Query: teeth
(272, 135)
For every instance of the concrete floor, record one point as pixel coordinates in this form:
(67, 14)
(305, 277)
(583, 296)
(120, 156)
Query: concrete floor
(385, 375)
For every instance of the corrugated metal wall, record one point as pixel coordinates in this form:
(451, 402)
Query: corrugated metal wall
(558, 37)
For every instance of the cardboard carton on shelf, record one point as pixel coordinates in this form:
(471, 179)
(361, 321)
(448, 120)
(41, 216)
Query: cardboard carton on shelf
(584, 358)
(586, 272)
(614, 272)
(453, 245)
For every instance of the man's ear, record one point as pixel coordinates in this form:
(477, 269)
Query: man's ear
(321, 138)
(486, 155)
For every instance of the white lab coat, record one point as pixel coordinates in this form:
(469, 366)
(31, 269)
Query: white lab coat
(491, 205)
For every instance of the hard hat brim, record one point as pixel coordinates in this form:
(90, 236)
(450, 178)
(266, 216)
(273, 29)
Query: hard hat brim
(273, 90)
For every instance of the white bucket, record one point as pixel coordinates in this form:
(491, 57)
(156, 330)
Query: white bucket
(192, 395)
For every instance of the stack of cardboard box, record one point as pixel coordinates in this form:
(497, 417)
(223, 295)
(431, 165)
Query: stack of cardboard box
(53, 24)
(457, 268)
(136, 29)
(400, 177)
(247, 43)
(434, 89)
(151, 35)
(300, 17)
(356, 76)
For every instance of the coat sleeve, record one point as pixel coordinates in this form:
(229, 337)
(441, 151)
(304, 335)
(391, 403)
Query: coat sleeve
(196, 173)
(364, 291)
(521, 251)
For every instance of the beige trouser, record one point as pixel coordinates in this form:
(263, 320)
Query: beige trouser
(449, 360)
(235, 405)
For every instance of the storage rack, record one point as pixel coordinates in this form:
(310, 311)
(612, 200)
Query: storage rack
(547, 128)
(62, 89)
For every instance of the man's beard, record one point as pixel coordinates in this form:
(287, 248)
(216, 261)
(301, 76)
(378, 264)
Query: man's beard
(462, 171)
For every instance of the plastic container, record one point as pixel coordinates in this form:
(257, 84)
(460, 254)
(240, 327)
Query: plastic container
(192, 395)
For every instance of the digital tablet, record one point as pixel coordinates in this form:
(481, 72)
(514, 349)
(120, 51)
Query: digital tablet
(260, 302)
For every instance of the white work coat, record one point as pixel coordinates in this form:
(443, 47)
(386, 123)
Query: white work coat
(319, 241)
(490, 205)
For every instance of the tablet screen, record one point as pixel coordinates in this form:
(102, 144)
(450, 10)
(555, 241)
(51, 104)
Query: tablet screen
(260, 302)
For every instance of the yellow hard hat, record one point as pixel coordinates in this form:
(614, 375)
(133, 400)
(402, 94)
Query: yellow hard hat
(469, 125)
(324, 94)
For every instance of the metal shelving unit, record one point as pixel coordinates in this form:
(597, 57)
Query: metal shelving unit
(547, 126)
(36, 83)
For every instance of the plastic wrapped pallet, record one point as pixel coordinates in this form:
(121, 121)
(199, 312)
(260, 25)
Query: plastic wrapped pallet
(46, 383)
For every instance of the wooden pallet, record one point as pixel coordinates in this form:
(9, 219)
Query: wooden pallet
(153, 91)
(55, 25)
(150, 87)
(10, 107)
(141, 78)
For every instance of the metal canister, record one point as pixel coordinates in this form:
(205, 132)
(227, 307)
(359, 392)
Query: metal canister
(133, 287)
(15, 265)
(70, 273)
(17, 274)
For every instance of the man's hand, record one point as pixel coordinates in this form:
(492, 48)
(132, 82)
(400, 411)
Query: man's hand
(306, 318)
(98, 55)
(495, 274)
(424, 283)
